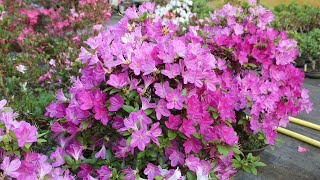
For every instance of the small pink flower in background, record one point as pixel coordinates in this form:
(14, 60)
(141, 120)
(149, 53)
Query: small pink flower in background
(10, 168)
(130, 174)
(116, 103)
(61, 98)
(3, 102)
(152, 171)
(302, 149)
(104, 173)
(21, 68)
(26, 134)
(52, 62)
(97, 27)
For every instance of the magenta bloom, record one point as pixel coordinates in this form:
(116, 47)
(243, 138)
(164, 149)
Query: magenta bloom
(86, 100)
(172, 70)
(161, 109)
(176, 158)
(3, 102)
(192, 144)
(130, 174)
(162, 89)
(101, 154)
(116, 103)
(55, 110)
(10, 168)
(75, 151)
(187, 128)
(58, 156)
(229, 135)
(155, 132)
(173, 122)
(175, 100)
(26, 134)
(118, 81)
(61, 98)
(152, 171)
(140, 139)
(104, 173)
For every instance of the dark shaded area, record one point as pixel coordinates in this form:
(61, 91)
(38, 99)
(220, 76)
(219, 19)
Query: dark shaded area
(285, 162)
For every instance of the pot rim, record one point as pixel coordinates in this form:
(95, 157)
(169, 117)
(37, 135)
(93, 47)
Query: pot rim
(255, 150)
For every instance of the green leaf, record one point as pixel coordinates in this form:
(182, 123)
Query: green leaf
(141, 154)
(75, 166)
(27, 145)
(197, 135)
(191, 176)
(128, 109)
(148, 111)
(254, 170)
(236, 165)
(158, 178)
(223, 149)
(259, 164)
(171, 135)
(247, 169)
(128, 141)
(114, 91)
(184, 92)
(85, 124)
(41, 141)
(144, 16)
(68, 159)
(152, 153)
(236, 150)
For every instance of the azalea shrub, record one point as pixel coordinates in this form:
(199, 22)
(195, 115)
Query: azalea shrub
(152, 104)
(40, 42)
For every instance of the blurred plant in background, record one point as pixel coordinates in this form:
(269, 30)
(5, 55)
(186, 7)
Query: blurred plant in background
(39, 45)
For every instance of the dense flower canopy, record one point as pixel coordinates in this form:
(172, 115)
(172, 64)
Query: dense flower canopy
(152, 104)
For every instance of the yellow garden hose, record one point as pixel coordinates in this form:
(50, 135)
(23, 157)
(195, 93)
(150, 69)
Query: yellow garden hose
(299, 136)
(304, 123)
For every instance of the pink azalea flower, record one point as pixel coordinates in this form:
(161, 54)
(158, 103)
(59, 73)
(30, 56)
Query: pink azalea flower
(3, 102)
(140, 139)
(173, 122)
(192, 144)
(302, 150)
(193, 163)
(104, 173)
(161, 109)
(129, 174)
(176, 158)
(171, 70)
(61, 98)
(175, 100)
(57, 128)
(162, 89)
(55, 110)
(26, 134)
(75, 151)
(116, 103)
(152, 171)
(187, 128)
(86, 100)
(58, 157)
(118, 81)
(155, 132)
(146, 103)
(10, 168)
(102, 153)
(229, 135)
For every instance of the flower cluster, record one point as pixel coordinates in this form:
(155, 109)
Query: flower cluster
(151, 104)
(178, 11)
(163, 101)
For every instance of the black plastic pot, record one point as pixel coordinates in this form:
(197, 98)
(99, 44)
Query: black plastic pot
(255, 152)
(313, 75)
